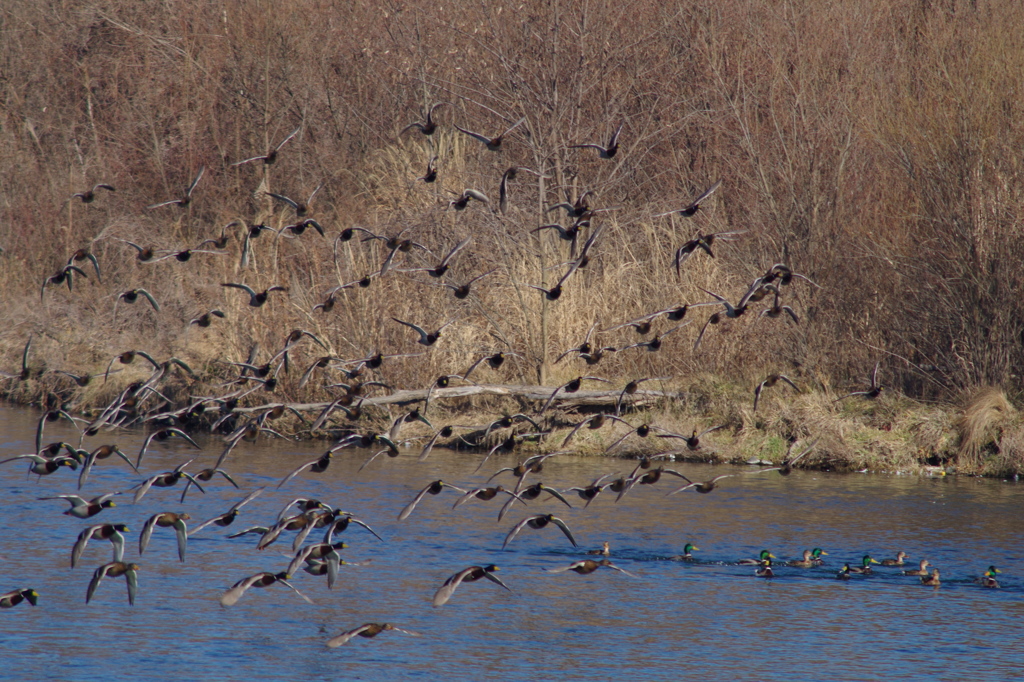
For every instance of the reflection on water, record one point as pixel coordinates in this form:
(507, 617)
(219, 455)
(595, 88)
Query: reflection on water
(709, 616)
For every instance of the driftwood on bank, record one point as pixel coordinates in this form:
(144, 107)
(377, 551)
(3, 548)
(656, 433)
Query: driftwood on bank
(541, 394)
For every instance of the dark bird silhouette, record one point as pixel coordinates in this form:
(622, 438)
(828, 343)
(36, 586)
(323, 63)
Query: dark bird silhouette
(166, 480)
(431, 174)
(702, 242)
(462, 201)
(255, 299)
(89, 195)
(132, 295)
(770, 381)
(588, 566)
(228, 517)
(86, 254)
(691, 209)
(301, 208)
(432, 488)
(206, 319)
(607, 152)
(367, 630)
(426, 339)
(62, 276)
(873, 391)
(186, 198)
(466, 575)
(538, 522)
(271, 156)
(492, 143)
(570, 387)
(426, 127)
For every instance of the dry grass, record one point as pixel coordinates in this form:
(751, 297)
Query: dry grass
(871, 145)
(986, 412)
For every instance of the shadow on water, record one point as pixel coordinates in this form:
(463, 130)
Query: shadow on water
(710, 617)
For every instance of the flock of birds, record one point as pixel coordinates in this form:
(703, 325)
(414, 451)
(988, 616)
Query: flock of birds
(143, 402)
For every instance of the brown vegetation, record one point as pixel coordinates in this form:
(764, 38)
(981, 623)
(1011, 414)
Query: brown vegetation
(873, 146)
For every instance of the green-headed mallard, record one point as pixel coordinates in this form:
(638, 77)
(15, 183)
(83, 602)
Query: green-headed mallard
(687, 555)
(101, 531)
(765, 555)
(989, 578)
(765, 569)
(812, 558)
(15, 597)
(865, 566)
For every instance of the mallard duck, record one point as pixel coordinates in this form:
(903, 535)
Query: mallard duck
(588, 566)
(865, 566)
(654, 344)
(166, 520)
(810, 560)
(778, 308)
(538, 522)
(317, 466)
(15, 597)
(765, 569)
(432, 488)
(764, 556)
(691, 209)
(206, 319)
(186, 198)
(166, 480)
(492, 143)
(228, 517)
(262, 579)
(84, 509)
(115, 569)
(426, 339)
(844, 573)
(102, 452)
(932, 580)
(466, 575)
(256, 299)
(604, 152)
(431, 174)
(89, 195)
(704, 486)
(44, 466)
(102, 531)
(427, 128)
(988, 579)
(898, 561)
(921, 570)
(486, 494)
(570, 387)
(341, 521)
(367, 630)
(326, 551)
(688, 549)
(64, 275)
(301, 208)
(462, 201)
(873, 391)
(768, 383)
(693, 440)
(271, 156)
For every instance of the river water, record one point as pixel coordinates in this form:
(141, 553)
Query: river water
(709, 619)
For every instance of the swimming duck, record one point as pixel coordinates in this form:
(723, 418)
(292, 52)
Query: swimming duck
(271, 156)
(844, 573)
(115, 569)
(102, 531)
(765, 569)
(921, 570)
(15, 597)
(538, 522)
(764, 556)
(687, 554)
(898, 561)
(262, 579)
(988, 579)
(367, 630)
(166, 520)
(811, 558)
(932, 580)
(604, 551)
(865, 566)
(186, 198)
(466, 575)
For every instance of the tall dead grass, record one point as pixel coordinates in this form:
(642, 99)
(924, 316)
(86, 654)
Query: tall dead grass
(873, 146)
